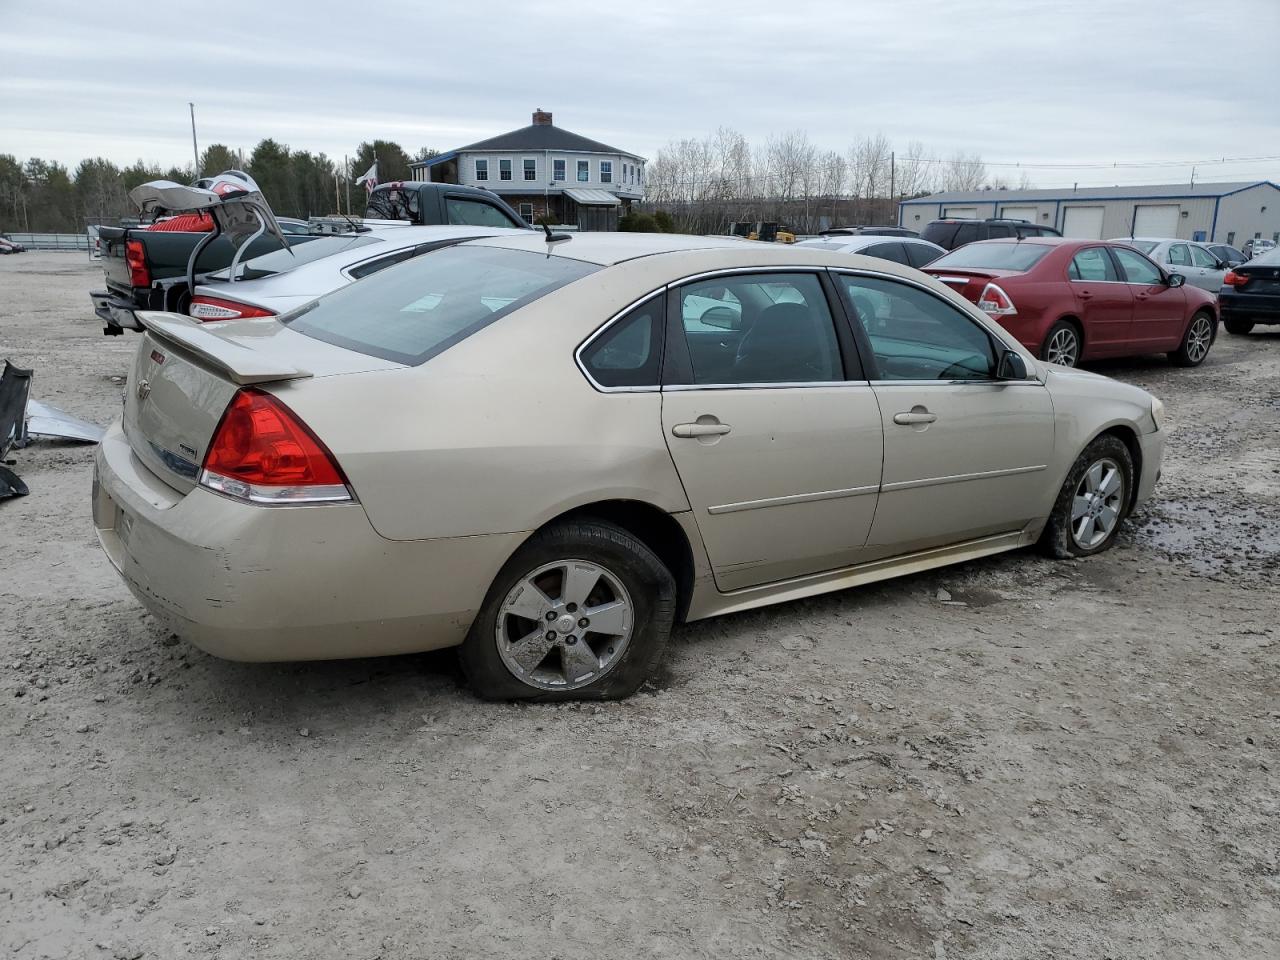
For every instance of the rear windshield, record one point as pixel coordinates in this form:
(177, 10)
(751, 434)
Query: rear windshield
(1146, 246)
(994, 256)
(412, 311)
(284, 260)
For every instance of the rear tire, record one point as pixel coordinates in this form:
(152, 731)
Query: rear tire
(534, 638)
(1062, 345)
(1241, 328)
(1092, 502)
(1195, 342)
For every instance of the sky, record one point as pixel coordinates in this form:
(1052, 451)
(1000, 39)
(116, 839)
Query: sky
(1062, 87)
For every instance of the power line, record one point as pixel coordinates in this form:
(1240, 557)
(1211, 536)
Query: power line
(1096, 165)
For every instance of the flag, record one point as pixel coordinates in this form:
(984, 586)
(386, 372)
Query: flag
(370, 178)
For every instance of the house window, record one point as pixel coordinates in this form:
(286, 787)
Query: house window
(526, 211)
(558, 167)
(504, 169)
(606, 171)
(584, 171)
(530, 168)
(482, 169)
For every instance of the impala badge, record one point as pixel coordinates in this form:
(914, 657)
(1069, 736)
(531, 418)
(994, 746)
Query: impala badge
(144, 389)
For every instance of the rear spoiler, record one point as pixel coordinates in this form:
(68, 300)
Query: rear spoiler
(242, 365)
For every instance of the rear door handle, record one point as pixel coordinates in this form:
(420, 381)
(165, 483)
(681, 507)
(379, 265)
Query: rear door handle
(907, 419)
(1086, 294)
(686, 431)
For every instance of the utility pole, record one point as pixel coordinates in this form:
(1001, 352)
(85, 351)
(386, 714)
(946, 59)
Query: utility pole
(346, 175)
(1193, 177)
(195, 151)
(893, 175)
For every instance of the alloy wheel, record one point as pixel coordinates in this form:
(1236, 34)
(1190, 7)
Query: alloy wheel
(1199, 337)
(1064, 348)
(1097, 505)
(564, 625)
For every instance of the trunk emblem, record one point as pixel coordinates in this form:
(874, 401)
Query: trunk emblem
(157, 357)
(144, 389)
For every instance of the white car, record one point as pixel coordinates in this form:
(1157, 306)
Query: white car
(281, 280)
(1201, 266)
(909, 251)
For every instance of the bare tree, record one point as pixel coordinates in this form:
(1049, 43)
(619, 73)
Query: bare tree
(964, 172)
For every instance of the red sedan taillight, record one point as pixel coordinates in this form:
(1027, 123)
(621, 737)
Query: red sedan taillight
(135, 258)
(995, 302)
(262, 453)
(1233, 279)
(205, 309)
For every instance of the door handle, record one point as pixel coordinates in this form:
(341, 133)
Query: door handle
(1086, 294)
(686, 431)
(1142, 296)
(914, 417)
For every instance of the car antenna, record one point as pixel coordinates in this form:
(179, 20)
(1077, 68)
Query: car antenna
(554, 237)
(355, 227)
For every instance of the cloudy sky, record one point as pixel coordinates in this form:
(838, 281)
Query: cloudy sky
(1037, 82)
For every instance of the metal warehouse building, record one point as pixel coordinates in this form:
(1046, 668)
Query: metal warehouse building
(1216, 212)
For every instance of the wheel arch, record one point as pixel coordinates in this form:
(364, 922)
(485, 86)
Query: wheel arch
(1129, 437)
(655, 528)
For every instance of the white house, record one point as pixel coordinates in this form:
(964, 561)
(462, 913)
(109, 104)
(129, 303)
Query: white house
(545, 171)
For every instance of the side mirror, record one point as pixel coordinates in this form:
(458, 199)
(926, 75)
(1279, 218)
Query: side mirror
(1012, 366)
(1176, 280)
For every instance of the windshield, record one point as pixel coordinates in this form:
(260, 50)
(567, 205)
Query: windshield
(417, 309)
(994, 256)
(286, 259)
(1146, 246)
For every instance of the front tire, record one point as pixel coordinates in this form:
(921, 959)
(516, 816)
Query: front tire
(1195, 342)
(582, 611)
(1241, 328)
(1093, 500)
(1062, 345)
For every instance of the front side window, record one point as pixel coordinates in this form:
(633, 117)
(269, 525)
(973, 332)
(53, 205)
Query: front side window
(530, 168)
(482, 169)
(760, 328)
(557, 167)
(1137, 268)
(476, 213)
(584, 171)
(504, 169)
(606, 171)
(917, 336)
(629, 353)
(1179, 256)
(1203, 258)
(1093, 264)
(415, 310)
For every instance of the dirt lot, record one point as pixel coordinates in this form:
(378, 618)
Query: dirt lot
(1015, 758)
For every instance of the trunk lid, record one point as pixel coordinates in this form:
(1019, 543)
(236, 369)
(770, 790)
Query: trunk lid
(1263, 277)
(969, 283)
(185, 373)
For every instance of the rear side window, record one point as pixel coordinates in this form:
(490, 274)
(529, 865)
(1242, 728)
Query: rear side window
(1093, 264)
(294, 256)
(940, 233)
(477, 213)
(887, 251)
(629, 353)
(996, 256)
(412, 311)
(967, 233)
(921, 255)
(996, 230)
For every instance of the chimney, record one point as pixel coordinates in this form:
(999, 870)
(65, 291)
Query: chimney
(541, 118)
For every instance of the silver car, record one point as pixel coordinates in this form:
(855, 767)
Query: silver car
(547, 453)
(277, 282)
(1195, 261)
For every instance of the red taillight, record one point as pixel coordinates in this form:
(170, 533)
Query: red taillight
(995, 302)
(205, 309)
(135, 258)
(1233, 279)
(261, 452)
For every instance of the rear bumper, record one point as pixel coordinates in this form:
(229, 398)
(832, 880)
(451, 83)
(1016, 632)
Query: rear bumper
(116, 313)
(247, 582)
(1258, 307)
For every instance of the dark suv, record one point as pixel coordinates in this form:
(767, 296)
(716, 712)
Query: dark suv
(953, 232)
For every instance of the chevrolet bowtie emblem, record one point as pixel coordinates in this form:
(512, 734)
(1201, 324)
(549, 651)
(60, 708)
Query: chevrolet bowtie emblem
(144, 389)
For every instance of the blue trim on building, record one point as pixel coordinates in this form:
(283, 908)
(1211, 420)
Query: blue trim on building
(438, 158)
(1213, 230)
(1099, 197)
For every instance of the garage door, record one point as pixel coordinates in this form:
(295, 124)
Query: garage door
(1083, 223)
(968, 213)
(1156, 220)
(1021, 213)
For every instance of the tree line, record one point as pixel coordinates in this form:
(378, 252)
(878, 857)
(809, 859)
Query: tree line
(706, 183)
(44, 196)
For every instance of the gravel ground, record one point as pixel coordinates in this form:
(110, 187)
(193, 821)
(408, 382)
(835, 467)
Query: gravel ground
(1014, 758)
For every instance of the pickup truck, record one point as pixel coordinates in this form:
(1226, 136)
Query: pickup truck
(147, 269)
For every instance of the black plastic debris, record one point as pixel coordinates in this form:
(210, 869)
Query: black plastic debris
(23, 419)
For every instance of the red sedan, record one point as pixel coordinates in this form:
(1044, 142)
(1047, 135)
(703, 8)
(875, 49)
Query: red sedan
(1073, 300)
